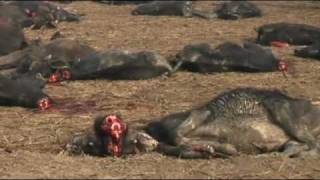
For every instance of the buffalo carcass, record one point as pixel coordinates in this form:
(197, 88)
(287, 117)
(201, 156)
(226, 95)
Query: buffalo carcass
(24, 92)
(110, 136)
(11, 65)
(228, 56)
(120, 65)
(15, 14)
(121, 2)
(243, 120)
(233, 10)
(64, 59)
(11, 37)
(295, 34)
(63, 1)
(45, 59)
(36, 13)
(167, 8)
(238, 10)
(312, 51)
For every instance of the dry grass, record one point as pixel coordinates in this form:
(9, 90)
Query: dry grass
(31, 142)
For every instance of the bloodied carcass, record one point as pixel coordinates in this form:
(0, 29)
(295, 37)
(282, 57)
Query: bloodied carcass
(243, 120)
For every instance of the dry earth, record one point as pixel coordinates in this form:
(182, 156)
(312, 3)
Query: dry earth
(31, 143)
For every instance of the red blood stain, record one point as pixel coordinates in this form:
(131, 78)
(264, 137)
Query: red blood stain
(279, 44)
(283, 66)
(69, 106)
(115, 128)
(44, 104)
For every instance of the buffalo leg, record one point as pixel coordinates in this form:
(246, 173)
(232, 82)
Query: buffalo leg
(196, 118)
(181, 151)
(284, 116)
(222, 149)
(194, 148)
(293, 148)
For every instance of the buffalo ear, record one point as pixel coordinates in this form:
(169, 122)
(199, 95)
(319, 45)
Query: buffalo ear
(97, 125)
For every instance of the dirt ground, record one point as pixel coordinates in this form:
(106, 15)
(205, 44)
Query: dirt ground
(32, 143)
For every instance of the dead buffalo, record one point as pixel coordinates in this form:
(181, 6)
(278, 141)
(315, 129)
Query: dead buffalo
(233, 10)
(25, 92)
(11, 37)
(243, 120)
(19, 61)
(63, 1)
(238, 10)
(10, 62)
(121, 2)
(228, 56)
(295, 34)
(168, 8)
(120, 65)
(67, 51)
(15, 14)
(56, 55)
(111, 136)
(42, 13)
(45, 59)
(312, 51)
(64, 59)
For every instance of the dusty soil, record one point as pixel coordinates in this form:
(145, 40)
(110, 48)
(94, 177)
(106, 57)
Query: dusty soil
(31, 143)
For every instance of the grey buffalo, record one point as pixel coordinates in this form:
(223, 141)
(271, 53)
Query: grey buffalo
(244, 120)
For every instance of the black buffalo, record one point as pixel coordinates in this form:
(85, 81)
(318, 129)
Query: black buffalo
(169, 8)
(238, 10)
(230, 10)
(295, 34)
(228, 56)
